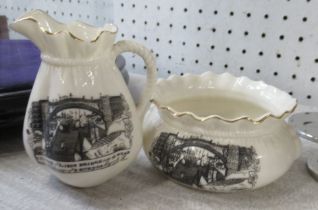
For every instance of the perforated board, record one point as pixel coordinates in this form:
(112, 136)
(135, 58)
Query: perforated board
(273, 40)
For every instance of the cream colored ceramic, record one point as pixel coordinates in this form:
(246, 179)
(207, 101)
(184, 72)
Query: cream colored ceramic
(81, 121)
(219, 132)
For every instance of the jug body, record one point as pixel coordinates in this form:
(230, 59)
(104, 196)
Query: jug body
(81, 122)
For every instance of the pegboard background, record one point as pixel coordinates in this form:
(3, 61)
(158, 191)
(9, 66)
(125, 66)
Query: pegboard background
(273, 40)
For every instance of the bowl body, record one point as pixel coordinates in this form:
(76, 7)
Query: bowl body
(217, 152)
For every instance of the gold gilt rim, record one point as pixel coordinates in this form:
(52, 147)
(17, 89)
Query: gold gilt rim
(177, 114)
(67, 32)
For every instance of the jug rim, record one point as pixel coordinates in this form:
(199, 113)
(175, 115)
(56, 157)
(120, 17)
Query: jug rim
(284, 104)
(45, 23)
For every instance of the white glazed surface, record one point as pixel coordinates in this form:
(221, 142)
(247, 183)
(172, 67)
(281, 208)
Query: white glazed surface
(78, 61)
(58, 81)
(275, 143)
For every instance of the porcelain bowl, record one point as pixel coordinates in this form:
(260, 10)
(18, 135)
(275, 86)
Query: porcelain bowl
(220, 133)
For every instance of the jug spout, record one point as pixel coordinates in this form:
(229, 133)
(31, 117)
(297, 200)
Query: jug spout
(33, 24)
(75, 40)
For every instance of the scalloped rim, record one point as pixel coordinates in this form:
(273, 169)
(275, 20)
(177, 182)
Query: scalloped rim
(108, 28)
(162, 83)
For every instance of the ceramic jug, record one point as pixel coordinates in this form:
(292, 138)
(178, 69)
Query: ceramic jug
(81, 121)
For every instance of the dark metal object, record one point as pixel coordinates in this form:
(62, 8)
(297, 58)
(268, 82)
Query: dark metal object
(120, 62)
(4, 31)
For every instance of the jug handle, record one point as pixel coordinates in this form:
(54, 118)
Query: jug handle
(134, 47)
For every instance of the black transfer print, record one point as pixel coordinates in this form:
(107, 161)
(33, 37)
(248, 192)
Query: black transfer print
(200, 163)
(73, 135)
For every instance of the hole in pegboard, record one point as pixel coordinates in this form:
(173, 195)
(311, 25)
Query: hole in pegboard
(300, 39)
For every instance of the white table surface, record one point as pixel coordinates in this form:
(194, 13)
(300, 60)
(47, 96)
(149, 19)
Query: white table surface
(25, 185)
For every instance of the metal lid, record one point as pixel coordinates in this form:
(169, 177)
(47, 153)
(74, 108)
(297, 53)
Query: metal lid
(306, 124)
(312, 165)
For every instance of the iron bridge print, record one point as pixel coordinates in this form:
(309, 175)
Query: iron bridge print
(204, 164)
(73, 134)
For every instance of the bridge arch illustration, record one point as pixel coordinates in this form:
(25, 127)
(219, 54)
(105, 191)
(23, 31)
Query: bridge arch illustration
(200, 144)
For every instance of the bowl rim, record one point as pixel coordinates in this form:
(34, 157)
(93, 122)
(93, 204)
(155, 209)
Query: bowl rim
(255, 120)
